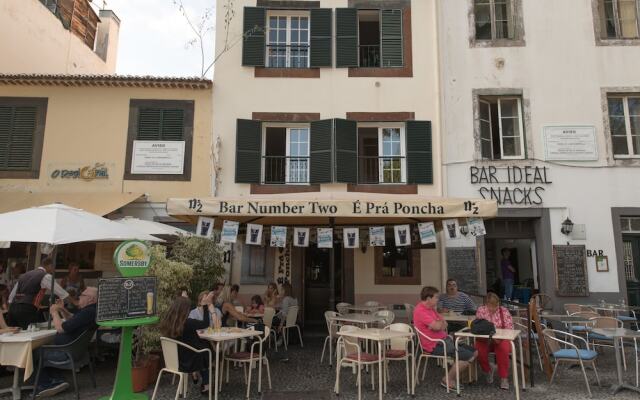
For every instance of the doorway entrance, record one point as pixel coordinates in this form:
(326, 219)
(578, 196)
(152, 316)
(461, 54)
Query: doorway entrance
(631, 258)
(322, 283)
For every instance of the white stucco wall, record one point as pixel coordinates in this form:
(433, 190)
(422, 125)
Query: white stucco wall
(561, 72)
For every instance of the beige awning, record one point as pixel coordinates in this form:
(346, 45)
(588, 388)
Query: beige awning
(94, 202)
(338, 208)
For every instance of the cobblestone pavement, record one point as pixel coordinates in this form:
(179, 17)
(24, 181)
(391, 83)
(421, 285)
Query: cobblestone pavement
(300, 376)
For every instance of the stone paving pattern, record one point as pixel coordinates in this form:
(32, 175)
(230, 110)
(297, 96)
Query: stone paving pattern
(302, 377)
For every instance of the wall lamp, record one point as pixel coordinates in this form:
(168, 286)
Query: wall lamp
(567, 227)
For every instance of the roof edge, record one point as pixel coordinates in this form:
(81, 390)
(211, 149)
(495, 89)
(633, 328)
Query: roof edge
(106, 81)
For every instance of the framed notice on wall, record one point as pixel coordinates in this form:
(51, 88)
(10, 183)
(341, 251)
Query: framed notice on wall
(570, 143)
(155, 157)
(570, 267)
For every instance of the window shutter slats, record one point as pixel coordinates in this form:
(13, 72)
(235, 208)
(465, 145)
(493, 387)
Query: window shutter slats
(321, 150)
(392, 38)
(160, 124)
(248, 151)
(321, 38)
(419, 152)
(253, 43)
(17, 130)
(172, 125)
(5, 134)
(346, 133)
(346, 37)
(149, 124)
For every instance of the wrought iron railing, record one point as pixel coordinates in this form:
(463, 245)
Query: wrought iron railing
(369, 56)
(385, 169)
(282, 170)
(288, 55)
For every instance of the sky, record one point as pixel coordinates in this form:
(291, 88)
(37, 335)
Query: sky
(154, 37)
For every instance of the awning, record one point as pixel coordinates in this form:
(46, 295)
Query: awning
(337, 208)
(93, 202)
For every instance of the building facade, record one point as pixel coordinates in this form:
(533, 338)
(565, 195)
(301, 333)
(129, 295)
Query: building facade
(539, 112)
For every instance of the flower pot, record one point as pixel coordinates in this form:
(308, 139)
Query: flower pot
(139, 376)
(153, 368)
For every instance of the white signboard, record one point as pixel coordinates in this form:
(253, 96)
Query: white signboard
(570, 143)
(229, 232)
(152, 157)
(427, 232)
(325, 238)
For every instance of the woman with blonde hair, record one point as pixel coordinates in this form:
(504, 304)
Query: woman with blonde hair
(228, 310)
(271, 296)
(501, 318)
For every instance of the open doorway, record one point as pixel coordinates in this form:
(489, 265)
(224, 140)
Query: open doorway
(369, 38)
(522, 256)
(320, 282)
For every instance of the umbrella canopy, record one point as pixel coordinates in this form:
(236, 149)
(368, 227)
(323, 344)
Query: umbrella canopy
(60, 224)
(152, 227)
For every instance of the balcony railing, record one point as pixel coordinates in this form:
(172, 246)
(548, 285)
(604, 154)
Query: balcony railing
(283, 170)
(385, 169)
(288, 56)
(369, 56)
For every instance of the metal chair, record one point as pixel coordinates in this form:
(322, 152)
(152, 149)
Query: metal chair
(343, 307)
(250, 358)
(531, 336)
(631, 319)
(582, 329)
(427, 356)
(172, 366)
(543, 301)
(568, 352)
(351, 354)
(332, 329)
(267, 320)
(572, 308)
(387, 317)
(77, 353)
(601, 341)
(291, 322)
(399, 350)
(409, 309)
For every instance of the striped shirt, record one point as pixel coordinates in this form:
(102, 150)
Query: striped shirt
(458, 303)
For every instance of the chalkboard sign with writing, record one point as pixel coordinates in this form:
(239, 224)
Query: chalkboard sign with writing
(125, 298)
(570, 265)
(462, 265)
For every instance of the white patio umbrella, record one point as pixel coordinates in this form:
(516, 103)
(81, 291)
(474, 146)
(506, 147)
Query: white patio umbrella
(60, 224)
(152, 227)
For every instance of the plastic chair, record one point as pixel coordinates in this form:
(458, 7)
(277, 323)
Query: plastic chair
(250, 358)
(598, 340)
(332, 329)
(172, 366)
(570, 353)
(267, 320)
(343, 307)
(409, 309)
(427, 356)
(399, 350)
(350, 353)
(387, 317)
(291, 322)
(77, 353)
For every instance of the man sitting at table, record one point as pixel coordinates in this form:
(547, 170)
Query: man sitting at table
(455, 300)
(67, 331)
(427, 321)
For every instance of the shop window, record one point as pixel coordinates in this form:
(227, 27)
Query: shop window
(257, 265)
(22, 122)
(397, 265)
(286, 155)
(381, 155)
(501, 128)
(624, 125)
(618, 19)
(288, 40)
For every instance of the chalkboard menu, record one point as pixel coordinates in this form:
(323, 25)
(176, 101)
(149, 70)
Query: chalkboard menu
(125, 298)
(570, 265)
(462, 265)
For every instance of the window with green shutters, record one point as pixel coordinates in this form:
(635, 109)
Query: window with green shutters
(160, 124)
(419, 152)
(21, 136)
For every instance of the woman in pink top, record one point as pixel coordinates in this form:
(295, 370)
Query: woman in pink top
(500, 317)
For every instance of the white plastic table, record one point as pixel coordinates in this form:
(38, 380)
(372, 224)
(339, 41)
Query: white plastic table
(457, 317)
(501, 334)
(381, 336)
(355, 318)
(16, 350)
(224, 335)
(619, 333)
(364, 309)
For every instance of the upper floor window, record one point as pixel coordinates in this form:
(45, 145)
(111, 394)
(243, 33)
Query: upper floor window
(381, 155)
(22, 121)
(619, 19)
(624, 123)
(494, 19)
(286, 155)
(288, 40)
(501, 128)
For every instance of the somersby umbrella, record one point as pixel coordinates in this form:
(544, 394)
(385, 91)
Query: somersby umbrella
(152, 227)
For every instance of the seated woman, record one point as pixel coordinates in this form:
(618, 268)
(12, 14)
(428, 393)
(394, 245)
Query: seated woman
(256, 307)
(271, 296)
(199, 311)
(228, 310)
(177, 325)
(500, 317)
(287, 301)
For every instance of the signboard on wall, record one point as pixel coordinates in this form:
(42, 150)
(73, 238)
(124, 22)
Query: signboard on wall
(570, 267)
(154, 157)
(570, 143)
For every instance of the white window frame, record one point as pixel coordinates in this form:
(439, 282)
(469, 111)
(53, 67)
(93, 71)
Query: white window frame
(520, 125)
(403, 150)
(490, 121)
(511, 22)
(627, 126)
(617, 20)
(288, 15)
(287, 127)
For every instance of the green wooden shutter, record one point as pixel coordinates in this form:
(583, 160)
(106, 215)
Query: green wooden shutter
(392, 38)
(321, 146)
(17, 130)
(160, 124)
(321, 38)
(419, 152)
(248, 151)
(346, 133)
(253, 43)
(346, 37)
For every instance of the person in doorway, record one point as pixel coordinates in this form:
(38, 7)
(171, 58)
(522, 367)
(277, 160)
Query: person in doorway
(271, 296)
(24, 297)
(508, 273)
(455, 300)
(501, 318)
(68, 327)
(73, 283)
(427, 321)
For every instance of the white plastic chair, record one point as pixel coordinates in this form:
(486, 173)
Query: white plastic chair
(399, 350)
(387, 317)
(172, 366)
(351, 354)
(267, 320)
(426, 355)
(343, 308)
(250, 358)
(332, 329)
(291, 322)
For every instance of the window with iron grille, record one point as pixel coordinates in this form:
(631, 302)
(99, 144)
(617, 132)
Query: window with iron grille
(287, 39)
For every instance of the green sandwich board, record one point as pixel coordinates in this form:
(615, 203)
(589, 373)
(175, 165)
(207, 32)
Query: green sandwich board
(127, 303)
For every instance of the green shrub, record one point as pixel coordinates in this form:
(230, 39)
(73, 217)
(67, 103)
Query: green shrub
(205, 256)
